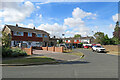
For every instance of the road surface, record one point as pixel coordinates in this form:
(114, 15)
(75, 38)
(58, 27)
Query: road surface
(94, 65)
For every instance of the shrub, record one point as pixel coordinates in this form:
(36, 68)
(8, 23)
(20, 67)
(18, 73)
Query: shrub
(7, 52)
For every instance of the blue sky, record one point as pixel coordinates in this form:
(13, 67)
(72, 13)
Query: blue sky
(69, 18)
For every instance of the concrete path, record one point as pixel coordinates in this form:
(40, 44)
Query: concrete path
(56, 55)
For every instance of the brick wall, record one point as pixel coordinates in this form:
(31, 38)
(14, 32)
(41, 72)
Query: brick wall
(26, 38)
(58, 49)
(51, 49)
(111, 47)
(45, 48)
(28, 50)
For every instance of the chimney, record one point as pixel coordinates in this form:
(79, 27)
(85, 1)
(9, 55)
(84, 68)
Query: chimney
(33, 27)
(16, 25)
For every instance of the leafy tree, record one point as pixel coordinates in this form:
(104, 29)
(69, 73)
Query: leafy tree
(117, 31)
(6, 39)
(77, 35)
(116, 35)
(99, 36)
(103, 39)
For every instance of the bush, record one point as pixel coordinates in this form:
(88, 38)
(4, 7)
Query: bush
(7, 52)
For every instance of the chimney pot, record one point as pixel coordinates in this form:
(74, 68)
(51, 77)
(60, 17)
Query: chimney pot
(33, 27)
(16, 25)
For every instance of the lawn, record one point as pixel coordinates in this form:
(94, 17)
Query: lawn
(31, 60)
(78, 54)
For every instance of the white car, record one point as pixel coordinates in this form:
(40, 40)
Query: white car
(98, 48)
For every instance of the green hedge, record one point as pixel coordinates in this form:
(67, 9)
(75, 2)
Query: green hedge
(8, 52)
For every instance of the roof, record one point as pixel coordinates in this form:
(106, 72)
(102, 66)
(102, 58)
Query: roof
(22, 29)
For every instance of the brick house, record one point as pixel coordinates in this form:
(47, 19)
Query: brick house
(76, 41)
(27, 37)
(79, 40)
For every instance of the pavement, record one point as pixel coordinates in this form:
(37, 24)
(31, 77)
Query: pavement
(93, 65)
(56, 55)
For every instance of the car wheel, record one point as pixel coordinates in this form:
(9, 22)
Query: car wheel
(97, 51)
(93, 50)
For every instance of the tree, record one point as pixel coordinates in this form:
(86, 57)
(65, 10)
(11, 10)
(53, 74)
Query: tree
(99, 37)
(6, 39)
(117, 31)
(77, 35)
(116, 34)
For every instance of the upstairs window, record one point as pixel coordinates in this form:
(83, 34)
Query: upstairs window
(45, 36)
(18, 33)
(39, 35)
(68, 40)
(30, 34)
(75, 40)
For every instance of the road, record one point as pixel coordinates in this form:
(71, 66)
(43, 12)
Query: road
(94, 65)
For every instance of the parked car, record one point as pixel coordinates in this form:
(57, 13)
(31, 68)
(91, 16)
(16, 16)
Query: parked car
(98, 48)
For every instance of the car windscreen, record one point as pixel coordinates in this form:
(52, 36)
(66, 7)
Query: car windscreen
(98, 46)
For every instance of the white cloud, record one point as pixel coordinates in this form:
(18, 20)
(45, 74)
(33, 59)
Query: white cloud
(79, 13)
(1, 26)
(54, 29)
(43, 3)
(40, 16)
(30, 25)
(38, 7)
(111, 26)
(76, 23)
(73, 22)
(115, 17)
(13, 12)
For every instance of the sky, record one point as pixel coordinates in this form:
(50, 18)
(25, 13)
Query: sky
(59, 18)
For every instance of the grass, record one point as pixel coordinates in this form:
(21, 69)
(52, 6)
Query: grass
(78, 54)
(42, 59)
(67, 51)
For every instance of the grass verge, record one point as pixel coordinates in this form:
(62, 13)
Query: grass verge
(31, 60)
(78, 54)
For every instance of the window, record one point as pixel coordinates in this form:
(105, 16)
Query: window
(45, 36)
(68, 40)
(75, 40)
(39, 35)
(30, 34)
(18, 33)
(79, 40)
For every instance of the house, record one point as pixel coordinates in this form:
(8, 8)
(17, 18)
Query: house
(76, 41)
(27, 37)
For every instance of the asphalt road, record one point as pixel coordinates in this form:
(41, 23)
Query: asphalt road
(94, 65)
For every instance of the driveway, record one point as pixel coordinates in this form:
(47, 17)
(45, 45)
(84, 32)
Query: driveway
(94, 65)
(56, 55)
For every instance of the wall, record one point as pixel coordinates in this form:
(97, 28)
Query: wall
(45, 48)
(58, 49)
(53, 49)
(26, 38)
(28, 50)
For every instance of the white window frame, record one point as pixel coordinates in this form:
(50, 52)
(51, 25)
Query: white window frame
(29, 34)
(68, 40)
(75, 40)
(15, 33)
(45, 36)
(39, 36)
